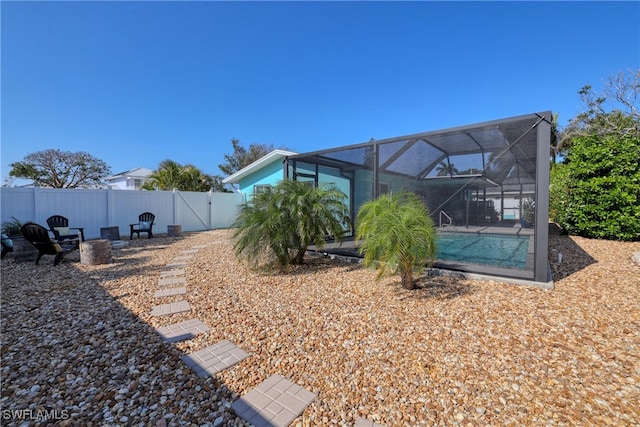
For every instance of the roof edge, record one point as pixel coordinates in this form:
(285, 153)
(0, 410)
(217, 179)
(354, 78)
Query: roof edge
(257, 165)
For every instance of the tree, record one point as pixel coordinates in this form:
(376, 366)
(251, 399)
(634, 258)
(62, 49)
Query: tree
(446, 169)
(397, 234)
(596, 193)
(603, 112)
(172, 175)
(61, 169)
(242, 157)
(283, 221)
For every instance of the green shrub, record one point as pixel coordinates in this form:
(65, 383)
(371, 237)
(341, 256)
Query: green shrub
(280, 223)
(558, 193)
(397, 234)
(602, 195)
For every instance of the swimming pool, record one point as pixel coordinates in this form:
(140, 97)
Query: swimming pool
(492, 249)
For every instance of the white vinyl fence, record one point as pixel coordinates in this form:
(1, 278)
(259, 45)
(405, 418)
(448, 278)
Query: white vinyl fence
(95, 209)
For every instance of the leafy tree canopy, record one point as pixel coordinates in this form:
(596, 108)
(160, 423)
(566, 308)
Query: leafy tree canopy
(172, 175)
(596, 192)
(614, 111)
(61, 169)
(242, 157)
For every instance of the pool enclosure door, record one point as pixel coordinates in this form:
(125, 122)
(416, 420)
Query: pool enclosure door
(486, 186)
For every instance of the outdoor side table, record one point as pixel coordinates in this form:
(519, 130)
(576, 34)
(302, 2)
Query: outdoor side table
(174, 230)
(110, 233)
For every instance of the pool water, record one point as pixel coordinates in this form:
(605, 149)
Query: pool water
(492, 249)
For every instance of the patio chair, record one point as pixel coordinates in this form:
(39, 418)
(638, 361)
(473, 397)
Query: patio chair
(144, 225)
(59, 226)
(38, 236)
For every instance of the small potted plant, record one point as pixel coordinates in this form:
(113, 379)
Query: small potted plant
(12, 228)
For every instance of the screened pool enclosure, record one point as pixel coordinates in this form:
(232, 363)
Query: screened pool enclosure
(486, 186)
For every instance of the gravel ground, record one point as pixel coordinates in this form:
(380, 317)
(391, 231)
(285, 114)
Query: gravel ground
(79, 345)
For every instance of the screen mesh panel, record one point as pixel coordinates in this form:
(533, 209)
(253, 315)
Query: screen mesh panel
(479, 179)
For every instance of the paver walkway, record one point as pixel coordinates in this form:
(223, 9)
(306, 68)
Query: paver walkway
(175, 272)
(275, 402)
(171, 308)
(182, 331)
(167, 292)
(172, 281)
(361, 422)
(215, 358)
(173, 265)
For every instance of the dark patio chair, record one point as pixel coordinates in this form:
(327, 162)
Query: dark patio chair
(144, 225)
(59, 226)
(38, 236)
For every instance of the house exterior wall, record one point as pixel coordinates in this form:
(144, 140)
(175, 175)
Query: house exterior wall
(269, 175)
(118, 183)
(127, 183)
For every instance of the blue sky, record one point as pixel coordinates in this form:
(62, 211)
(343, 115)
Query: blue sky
(134, 83)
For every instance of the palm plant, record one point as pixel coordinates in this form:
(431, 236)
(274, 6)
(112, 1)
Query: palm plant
(397, 234)
(283, 221)
(172, 175)
(446, 169)
(166, 177)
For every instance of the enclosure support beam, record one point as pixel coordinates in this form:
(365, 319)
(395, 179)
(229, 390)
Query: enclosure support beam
(542, 201)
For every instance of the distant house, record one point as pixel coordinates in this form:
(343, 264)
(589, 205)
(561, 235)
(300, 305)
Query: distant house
(264, 172)
(132, 179)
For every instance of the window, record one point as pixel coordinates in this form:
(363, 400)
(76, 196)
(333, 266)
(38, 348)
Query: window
(257, 189)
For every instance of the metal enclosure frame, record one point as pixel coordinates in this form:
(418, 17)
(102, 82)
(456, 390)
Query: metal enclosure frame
(483, 181)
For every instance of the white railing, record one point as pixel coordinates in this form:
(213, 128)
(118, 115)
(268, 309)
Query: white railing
(450, 221)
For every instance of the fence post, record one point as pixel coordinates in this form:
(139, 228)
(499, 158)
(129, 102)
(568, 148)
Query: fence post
(175, 206)
(36, 191)
(210, 207)
(110, 207)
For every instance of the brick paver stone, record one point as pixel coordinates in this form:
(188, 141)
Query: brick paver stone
(175, 265)
(361, 422)
(172, 308)
(215, 358)
(172, 281)
(182, 331)
(167, 292)
(175, 272)
(275, 402)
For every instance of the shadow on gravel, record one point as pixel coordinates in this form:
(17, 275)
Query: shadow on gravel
(435, 287)
(573, 257)
(72, 352)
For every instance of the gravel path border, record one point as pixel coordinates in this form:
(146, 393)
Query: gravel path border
(79, 343)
